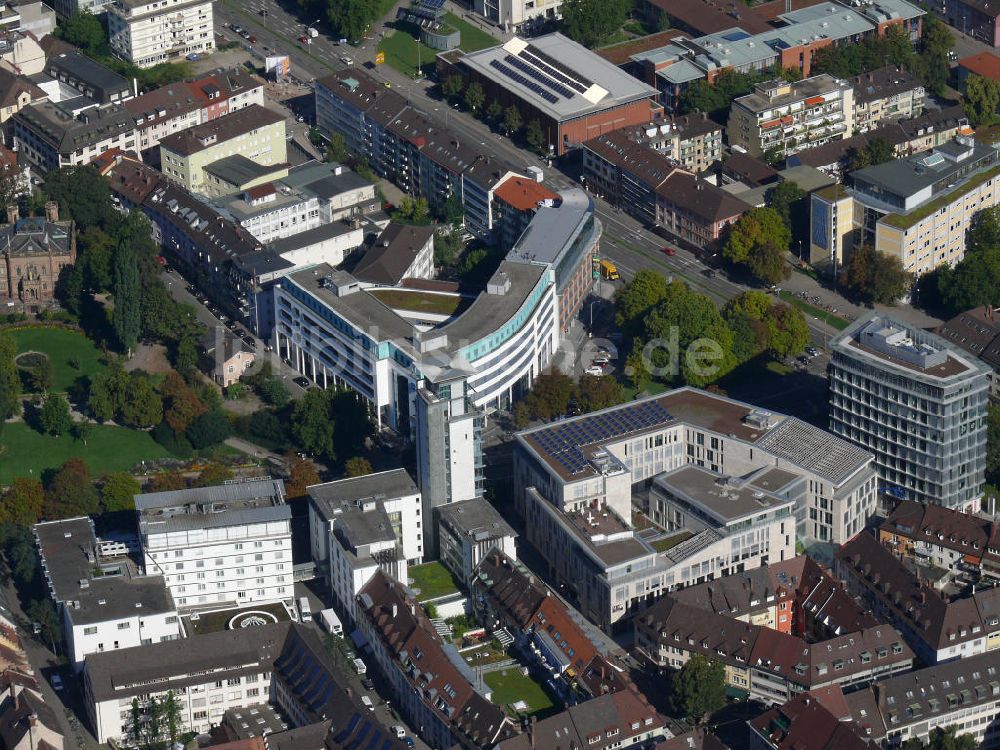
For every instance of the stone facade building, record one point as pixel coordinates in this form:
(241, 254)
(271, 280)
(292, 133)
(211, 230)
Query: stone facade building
(33, 251)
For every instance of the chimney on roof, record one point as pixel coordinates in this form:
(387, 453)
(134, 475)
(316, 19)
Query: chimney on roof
(12, 214)
(52, 211)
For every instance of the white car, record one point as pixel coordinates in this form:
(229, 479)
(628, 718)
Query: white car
(594, 370)
(400, 732)
(367, 703)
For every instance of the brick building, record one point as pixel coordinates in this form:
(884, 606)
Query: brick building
(33, 251)
(573, 93)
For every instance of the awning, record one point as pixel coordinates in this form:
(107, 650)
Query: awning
(814, 100)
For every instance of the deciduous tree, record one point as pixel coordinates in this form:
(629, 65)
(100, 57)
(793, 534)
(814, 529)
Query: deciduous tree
(357, 466)
(211, 428)
(54, 416)
(10, 380)
(118, 490)
(512, 120)
(301, 474)
(593, 393)
(127, 318)
(591, 22)
(699, 689)
(70, 492)
(873, 276)
(21, 503)
(474, 96)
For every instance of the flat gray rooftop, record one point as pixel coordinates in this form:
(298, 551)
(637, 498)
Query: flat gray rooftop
(253, 501)
(237, 169)
(552, 228)
(595, 84)
(69, 553)
(476, 518)
(815, 86)
(725, 498)
(482, 318)
(383, 485)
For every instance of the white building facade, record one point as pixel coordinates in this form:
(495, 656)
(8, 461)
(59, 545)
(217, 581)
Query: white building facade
(359, 525)
(219, 545)
(149, 32)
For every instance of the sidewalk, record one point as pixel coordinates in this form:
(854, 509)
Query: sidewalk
(800, 282)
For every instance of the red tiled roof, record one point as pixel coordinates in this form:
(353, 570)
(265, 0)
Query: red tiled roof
(261, 191)
(985, 64)
(523, 194)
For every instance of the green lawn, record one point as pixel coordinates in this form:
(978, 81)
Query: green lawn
(436, 304)
(433, 579)
(473, 38)
(662, 545)
(401, 52)
(62, 347)
(510, 686)
(28, 453)
(817, 312)
(401, 46)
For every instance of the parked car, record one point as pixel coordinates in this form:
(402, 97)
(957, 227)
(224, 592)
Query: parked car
(367, 703)
(301, 381)
(601, 361)
(367, 683)
(669, 250)
(57, 683)
(594, 370)
(408, 741)
(303, 39)
(812, 351)
(194, 57)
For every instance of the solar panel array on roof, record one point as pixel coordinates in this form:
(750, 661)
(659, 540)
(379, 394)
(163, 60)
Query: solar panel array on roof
(539, 76)
(555, 68)
(563, 442)
(524, 81)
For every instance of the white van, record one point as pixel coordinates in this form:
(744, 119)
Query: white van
(359, 667)
(367, 703)
(330, 622)
(305, 612)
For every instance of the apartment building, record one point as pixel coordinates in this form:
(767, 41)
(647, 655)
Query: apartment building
(104, 603)
(884, 95)
(610, 572)
(149, 32)
(358, 526)
(964, 694)
(50, 135)
(283, 664)
(401, 252)
(184, 104)
(780, 118)
(916, 209)
(342, 193)
(219, 545)
(623, 719)
(818, 719)
(974, 18)
(518, 200)
(271, 211)
(650, 185)
(631, 444)
(693, 141)
(765, 664)
(753, 45)
(430, 684)
(944, 538)
(917, 404)
(939, 626)
(469, 530)
(410, 148)
(255, 133)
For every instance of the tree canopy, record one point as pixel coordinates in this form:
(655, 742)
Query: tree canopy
(873, 276)
(980, 100)
(876, 151)
(591, 22)
(331, 422)
(699, 689)
(758, 241)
